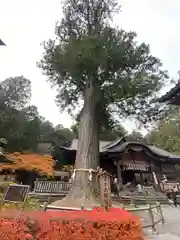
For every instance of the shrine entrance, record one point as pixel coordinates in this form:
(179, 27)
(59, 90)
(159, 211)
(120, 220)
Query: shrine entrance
(128, 176)
(134, 173)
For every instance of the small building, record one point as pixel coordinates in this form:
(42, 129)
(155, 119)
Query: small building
(132, 162)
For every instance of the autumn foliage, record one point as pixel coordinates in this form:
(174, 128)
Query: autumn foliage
(43, 164)
(82, 225)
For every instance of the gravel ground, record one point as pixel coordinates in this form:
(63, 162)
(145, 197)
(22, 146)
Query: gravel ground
(170, 230)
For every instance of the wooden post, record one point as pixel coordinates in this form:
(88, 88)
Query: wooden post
(105, 189)
(151, 218)
(160, 212)
(47, 203)
(82, 207)
(133, 202)
(119, 175)
(35, 185)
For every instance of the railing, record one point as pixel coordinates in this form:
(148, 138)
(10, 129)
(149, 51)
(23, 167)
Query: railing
(43, 186)
(152, 218)
(153, 213)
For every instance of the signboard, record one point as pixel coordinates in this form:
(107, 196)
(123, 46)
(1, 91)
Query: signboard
(16, 193)
(105, 189)
(136, 167)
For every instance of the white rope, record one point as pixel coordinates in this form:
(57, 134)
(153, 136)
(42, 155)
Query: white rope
(90, 175)
(73, 175)
(84, 170)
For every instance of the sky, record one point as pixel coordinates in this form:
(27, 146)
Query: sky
(25, 24)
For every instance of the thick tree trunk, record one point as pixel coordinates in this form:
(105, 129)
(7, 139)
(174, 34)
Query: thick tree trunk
(85, 187)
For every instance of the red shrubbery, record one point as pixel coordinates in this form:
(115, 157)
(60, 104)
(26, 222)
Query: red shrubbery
(116, 224)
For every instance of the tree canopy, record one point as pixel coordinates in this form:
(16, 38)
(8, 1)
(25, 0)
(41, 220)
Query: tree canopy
(88, 51)
(15, 92)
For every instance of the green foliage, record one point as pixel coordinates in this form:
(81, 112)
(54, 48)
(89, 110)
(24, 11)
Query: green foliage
(32, 204)
(20, 123)
(166, 134)
(135, 136)
(29, 204)
(90, 55)
(111, 134)
(15, 92)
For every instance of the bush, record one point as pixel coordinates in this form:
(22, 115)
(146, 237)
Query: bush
(82, 225)
(29, 204)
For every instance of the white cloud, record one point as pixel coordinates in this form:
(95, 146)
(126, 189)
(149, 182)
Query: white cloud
(25, 24)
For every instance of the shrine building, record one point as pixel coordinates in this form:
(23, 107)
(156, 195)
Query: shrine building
(132, 161)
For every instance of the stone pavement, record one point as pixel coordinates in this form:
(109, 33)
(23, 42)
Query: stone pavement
(171, 229)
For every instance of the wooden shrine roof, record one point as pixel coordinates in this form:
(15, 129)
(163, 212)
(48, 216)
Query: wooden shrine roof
(149, 149)
(122, 145)
(103, 145)
(173, 96)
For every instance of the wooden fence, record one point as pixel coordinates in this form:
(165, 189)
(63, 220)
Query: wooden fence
(43, 186)
(152, 213)
(150, 216)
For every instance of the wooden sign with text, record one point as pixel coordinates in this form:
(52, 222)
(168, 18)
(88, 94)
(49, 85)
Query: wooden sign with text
(105, 189)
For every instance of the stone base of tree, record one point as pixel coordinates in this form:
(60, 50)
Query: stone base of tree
(84, 191)
(77, 203)
(78, 197)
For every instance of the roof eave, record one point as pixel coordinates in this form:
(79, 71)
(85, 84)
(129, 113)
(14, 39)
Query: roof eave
(170, 94)
(154, 154)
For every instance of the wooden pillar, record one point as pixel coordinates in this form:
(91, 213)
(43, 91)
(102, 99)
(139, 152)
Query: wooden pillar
(119, 173)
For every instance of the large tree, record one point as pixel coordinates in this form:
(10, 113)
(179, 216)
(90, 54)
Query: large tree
(105, 68)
